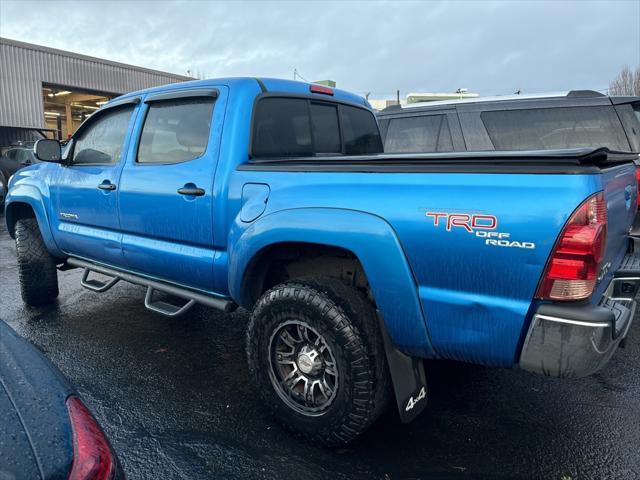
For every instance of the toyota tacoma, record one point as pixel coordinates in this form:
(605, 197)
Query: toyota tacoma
(356, 265)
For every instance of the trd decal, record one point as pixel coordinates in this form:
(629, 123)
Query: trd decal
(463, 220)
(480, 225)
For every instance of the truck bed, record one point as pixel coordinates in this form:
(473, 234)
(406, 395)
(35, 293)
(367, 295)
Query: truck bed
(476, 297)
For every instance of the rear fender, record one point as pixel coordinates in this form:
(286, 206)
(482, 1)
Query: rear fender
(21, 195)
(368, 237)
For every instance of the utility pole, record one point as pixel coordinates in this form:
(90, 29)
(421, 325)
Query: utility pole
(398, 96)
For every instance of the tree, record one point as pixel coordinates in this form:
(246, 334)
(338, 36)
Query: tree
(627, 83)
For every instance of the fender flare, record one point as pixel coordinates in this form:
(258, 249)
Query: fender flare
(370, 238)
(22, 194)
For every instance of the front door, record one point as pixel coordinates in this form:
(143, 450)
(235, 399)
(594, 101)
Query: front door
(85, 191)
(166, 194)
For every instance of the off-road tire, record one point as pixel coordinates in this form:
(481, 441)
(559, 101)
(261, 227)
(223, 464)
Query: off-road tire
(362, 312)
(347, 321)
(36, 266)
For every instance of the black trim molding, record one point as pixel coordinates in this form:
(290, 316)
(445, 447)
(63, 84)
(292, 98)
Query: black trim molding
(181, 94)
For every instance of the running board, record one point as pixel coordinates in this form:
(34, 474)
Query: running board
(96, 285)
(158, 306)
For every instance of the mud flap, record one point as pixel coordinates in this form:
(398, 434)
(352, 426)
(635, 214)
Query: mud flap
(407, 376)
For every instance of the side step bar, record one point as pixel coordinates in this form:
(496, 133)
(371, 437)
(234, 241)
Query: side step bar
(161, 307)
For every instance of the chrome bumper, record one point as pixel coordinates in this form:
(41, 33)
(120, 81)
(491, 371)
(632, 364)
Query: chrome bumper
(567, 340)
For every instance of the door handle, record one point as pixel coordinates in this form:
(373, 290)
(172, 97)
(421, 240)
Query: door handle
(193, 191)
(107, 185)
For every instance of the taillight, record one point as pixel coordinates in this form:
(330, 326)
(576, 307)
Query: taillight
(638, 183)
(313, 88)
(92, 458)
(574, 265)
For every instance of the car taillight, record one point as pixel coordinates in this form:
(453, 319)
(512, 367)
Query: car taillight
(638, 182)
(92, 457)
(574, 265)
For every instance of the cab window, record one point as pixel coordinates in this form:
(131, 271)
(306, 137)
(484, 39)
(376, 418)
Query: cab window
(176, 131)
(102, 141)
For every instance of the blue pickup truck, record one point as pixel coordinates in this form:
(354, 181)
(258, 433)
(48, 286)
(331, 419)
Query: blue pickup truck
(276, 196)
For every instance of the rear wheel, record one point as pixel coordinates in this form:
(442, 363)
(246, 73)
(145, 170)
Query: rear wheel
(314, 365)
(36, 266)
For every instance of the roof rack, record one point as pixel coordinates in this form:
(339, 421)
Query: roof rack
(584, 94)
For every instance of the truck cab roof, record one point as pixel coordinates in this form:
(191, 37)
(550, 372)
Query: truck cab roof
(265, 84)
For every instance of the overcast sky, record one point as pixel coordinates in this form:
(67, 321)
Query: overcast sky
(377, 47)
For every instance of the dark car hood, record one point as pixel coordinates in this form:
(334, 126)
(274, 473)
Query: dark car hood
(35, 433)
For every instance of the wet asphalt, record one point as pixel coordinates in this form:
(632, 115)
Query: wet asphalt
(174, 398)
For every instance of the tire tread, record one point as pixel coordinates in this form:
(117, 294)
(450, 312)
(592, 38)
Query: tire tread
(37, 271)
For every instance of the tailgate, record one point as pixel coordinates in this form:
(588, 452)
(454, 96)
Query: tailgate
(620, 192)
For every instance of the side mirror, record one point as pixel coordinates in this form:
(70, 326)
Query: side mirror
(48, 150)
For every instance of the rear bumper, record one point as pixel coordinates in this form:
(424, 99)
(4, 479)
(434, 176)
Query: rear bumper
(567, 340)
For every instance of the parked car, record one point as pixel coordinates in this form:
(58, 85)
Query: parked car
(356, 265)
(3, 189)
(576, 119)
(15, 159)
(46, 431)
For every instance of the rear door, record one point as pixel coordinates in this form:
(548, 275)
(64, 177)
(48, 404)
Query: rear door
(166, 196)
(85, 191)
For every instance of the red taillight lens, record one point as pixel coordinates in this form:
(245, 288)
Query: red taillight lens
(638, 182)
(92, 458)
(321, 89)
(574, 265)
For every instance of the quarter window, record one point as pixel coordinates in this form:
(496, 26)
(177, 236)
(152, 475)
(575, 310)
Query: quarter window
(550, 128)
(103, 140)
(175, 131)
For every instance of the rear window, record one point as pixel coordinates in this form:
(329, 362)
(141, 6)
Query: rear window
(361, 132)
(555, 128)
(300, 127)
(325, 127)
(426, 133)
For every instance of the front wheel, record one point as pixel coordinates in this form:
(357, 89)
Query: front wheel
(313, 364)
(36, 266)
